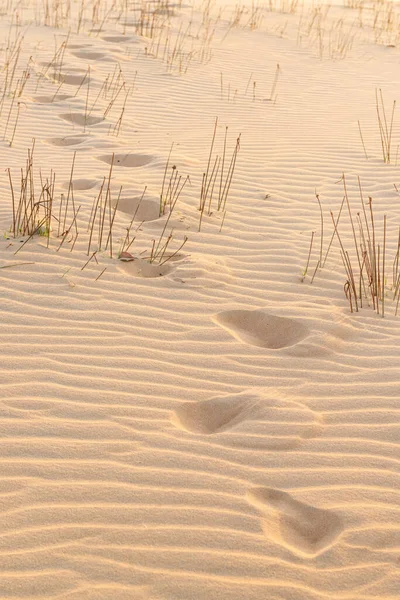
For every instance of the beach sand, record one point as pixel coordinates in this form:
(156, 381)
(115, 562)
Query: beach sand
(210, 418)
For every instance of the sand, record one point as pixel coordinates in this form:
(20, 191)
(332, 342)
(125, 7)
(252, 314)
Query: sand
(218, 425)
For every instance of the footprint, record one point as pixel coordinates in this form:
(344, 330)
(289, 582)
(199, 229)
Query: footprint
(79, 78)
(176, 258)
(77, 46)
(117, 39)
(90, 55)
(81, 119)
(204, 271)
(252, 420)
(51, 99)
(262, 329)
(69, 140)
(81, 184)
(301, 528)
(127, 160)
(143, 210)
(142, 268)
(53, 65)
(130, 23)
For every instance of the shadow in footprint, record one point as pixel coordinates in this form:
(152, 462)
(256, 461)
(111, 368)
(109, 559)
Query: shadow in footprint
(69, 140)
(143, 209)
(259, 328)
(81, 184)
(301, 528)
(127, 160)
(81, 119)
(90, 55)
(77, 46)
(250, 420)
(118, 39)
(51, 99)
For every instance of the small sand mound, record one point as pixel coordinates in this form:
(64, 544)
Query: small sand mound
(143, 210)
(303, 529)
(127, 160)
(81, 119)
(81, 184)
(262, 329)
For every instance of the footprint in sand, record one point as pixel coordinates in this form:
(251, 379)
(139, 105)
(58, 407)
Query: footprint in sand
(142, 208)
(81, 184)
(262, 329)
(73, 77)
(250, 420)
(77, 46)
(68, 140)
(51, 99)
(127, 160)
(118, 39)
(303, 529)
(90, 55)
(81, 119)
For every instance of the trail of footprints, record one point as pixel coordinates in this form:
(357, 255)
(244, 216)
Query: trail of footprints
(143, 209)
(275, 423)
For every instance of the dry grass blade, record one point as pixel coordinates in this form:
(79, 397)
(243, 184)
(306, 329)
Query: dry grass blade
(366, 268)
(309, 256)
(385, 126)
(217, 173)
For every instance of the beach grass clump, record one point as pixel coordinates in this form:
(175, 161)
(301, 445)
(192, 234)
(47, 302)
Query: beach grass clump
(218, 176)
(31, 204)
(37, 209)
(362, 240)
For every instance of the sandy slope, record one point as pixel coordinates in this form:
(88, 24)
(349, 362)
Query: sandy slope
(224, 430)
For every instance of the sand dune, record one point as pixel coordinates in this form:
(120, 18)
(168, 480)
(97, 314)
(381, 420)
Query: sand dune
(188, 407)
